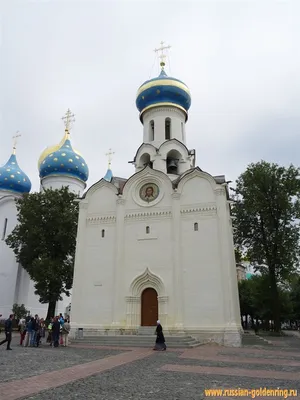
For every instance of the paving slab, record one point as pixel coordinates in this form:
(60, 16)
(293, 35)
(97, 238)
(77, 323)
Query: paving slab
(117, 373)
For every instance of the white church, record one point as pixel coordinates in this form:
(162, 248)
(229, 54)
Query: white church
(158, 245)
(58, 166)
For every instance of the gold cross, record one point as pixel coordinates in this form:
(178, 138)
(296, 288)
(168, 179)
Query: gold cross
(109, 155)
(15, 141)
(162, 56)
(68, 119)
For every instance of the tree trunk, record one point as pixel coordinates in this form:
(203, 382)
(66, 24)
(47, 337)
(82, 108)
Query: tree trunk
(246, 322)
(276, 301)
(51, 310)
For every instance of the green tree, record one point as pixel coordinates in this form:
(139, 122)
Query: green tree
(44, 242)
(19, 311)
(265, 213)
(295, 298)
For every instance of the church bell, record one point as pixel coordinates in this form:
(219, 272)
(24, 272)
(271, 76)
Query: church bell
(172, 166)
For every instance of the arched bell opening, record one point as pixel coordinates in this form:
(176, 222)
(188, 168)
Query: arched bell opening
(173, 158)
(145, 161)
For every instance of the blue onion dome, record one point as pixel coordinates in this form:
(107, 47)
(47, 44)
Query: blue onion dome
(63, 161)
(163, 91)
(12, 178)
(109, 175)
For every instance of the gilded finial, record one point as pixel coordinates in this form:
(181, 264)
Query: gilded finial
(68, 119)
(15, 141)
(109, 156)
(162, 55)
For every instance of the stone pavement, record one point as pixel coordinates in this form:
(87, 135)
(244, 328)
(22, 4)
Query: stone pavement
(94, 372)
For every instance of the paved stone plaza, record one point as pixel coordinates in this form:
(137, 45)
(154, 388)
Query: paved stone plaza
(86, 372)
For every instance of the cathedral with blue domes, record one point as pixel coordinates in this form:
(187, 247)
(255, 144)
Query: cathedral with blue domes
(59, 165)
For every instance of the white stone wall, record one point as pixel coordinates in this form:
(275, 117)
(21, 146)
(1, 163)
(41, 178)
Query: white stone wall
(8, 265)
(58, 181)
(15, 283)
(192, 271)
(159, 115)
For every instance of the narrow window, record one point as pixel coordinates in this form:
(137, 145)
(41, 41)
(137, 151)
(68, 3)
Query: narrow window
(4, 229)
(167, 128)
(151, 131)
(147, 229)
(196, 226)
(103, 233)
(182, 131)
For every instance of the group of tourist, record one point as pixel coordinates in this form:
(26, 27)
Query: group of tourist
(33, 331)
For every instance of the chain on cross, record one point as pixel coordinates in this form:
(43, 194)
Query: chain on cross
(68, 119)
(162, 55)
(15, 141)
(109, 156)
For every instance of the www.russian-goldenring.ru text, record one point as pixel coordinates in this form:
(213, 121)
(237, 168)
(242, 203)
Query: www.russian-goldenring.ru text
(252, 393)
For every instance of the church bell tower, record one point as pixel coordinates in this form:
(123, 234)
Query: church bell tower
(163, 103)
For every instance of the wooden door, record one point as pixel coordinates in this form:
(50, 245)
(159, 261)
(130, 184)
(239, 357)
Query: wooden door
(149, 307)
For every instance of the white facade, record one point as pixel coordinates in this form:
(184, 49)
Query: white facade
(178, 243)
(15, 283)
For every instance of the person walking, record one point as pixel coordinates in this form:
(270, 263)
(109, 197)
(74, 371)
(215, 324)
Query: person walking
(8, 332)
(160, 339)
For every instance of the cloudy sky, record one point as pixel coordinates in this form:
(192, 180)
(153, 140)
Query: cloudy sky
(240, 59)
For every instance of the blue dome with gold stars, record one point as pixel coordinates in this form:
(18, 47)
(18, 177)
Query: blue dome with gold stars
(12, 178)
(163, 91)
(64, 161)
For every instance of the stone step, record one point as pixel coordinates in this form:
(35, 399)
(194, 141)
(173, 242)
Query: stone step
(137, 341)
(135, 338)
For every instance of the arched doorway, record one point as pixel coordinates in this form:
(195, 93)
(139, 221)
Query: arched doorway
(149, 311)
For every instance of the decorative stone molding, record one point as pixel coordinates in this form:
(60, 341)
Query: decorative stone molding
(121, 201)
(176, 196)
(164, 111)
(220, 192)
(133, 302)
(207, 210)
(98, 219)
(133, 299)
(140, 216)
(163, 299)
(145, 280)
